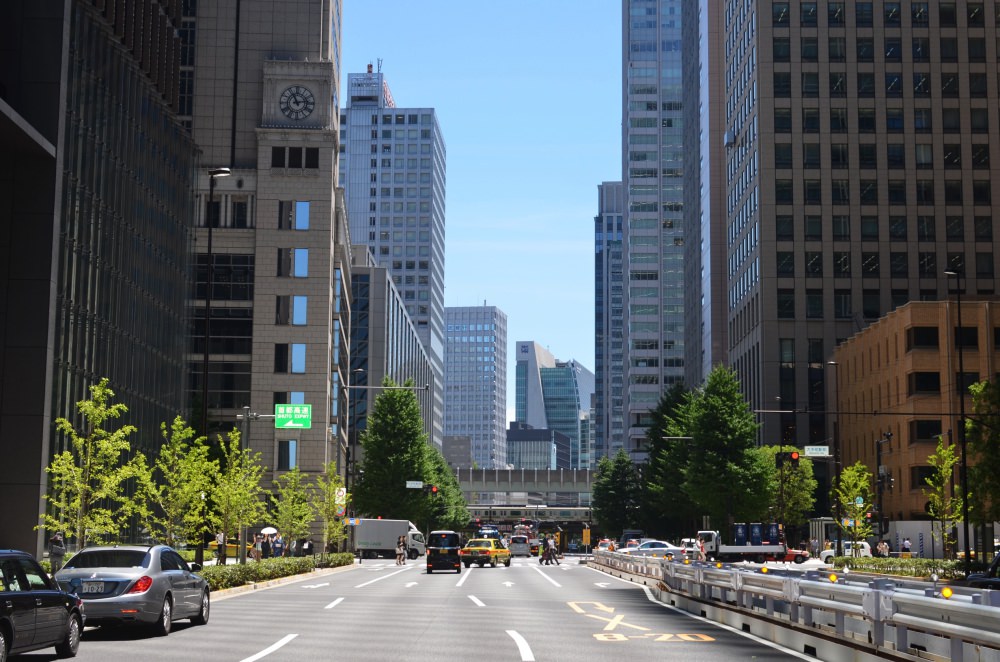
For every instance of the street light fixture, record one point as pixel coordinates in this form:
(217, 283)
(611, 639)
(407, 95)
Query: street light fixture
(836, 451)
(213, 173)
(964, 470)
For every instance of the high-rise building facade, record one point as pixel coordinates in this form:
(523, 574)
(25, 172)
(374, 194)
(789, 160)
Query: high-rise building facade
(609, 321)
(393, 173)
(273, 251)
(859, 169)
(556, 395)
(96, 174)
(653, 101)
(475, 381)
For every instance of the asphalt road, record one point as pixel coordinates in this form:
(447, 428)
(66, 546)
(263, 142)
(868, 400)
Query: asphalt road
(379, 611)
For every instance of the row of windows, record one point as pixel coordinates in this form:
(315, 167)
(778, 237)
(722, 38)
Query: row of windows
(295, 157)
(870, 264)
(895, 122)
(895, 156)
(843, 302)
(949, 49)
(891, 13)
(894, 85)
(870, 193)
(397, 118)
(400, 191)
(870, 228)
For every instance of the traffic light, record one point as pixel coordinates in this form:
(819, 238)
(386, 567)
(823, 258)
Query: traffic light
(434, 489)
(779, 459)
(793, 457)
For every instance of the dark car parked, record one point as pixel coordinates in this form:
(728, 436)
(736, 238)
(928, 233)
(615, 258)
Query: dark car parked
(442, 551)
(989, 579)
(34, 613)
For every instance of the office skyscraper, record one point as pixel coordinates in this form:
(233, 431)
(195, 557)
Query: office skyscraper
(393, 173)
(609, 321)
(556, 395)
(95, 176)
(859, 167)
(475, 381)
(277, 276)
(653, 173)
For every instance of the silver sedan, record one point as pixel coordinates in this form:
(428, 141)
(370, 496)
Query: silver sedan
(657, 548)
(136, 584)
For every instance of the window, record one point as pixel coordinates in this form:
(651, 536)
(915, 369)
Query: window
(779, 14)
(894, 119)
(947, 16)
(869, 264)
(870, 308)
(977, 85)
(979, 120)
(782, 50)
(974, 14)
(298, 358)
(924, 156)
(810, 155)
(925, 191)
(782, 84)
(293, 262)
(785, 263)
(835, 14)
(922, 120)
(808, 14)
(923, 431)
(842, 304)
(898, 265)
(867, 155)
(896, 191)
(812, 192)
(977, 49)
(814, 304)
(891, 15)
(924, 382)
(784, 228)
(866, 120)
(840, 191)
(893, 48)
(838, 120)
(921, 85)
(949, 85)
(897, 228)
(841, 264)
(921, 49)
(782, 155)
(838, 84)
(918, 14)
(293, 215)
(866, 84)
(895, 155)
(983, 228)
(814, 263)
(841, 227)
(954, 228)
(869, 228)
(837, 49)
(810, 120)
(863, 14)
(839, 155)
(809, 50)
(783, 191)
(921, 337)
(927, 264)
(786, 304)
(894, 88)
(984, 265)
(287, 454)
(782, 120)
(865, 49)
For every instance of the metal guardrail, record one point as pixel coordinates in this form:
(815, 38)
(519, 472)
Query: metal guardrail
(875, 615)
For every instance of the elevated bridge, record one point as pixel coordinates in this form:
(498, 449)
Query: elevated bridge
(574, 481)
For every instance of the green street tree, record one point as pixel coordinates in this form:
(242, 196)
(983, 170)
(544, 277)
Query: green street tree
(667, 511)
(983, 453)
(616, 493)
(174, 490)
(727, 477)
(331, 505)
(799, 484)
(237, 495)
(942, 506)
(448, 508)
(293, 511)
(395, 451)
(88, 496)
(855, 498)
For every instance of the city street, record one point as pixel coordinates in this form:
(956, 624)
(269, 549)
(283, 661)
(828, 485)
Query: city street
(380, 611)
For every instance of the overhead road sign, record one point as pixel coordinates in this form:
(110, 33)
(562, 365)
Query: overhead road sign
(292, 417)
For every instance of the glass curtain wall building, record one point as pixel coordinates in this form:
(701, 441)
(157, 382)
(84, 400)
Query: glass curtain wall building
(609, 321)
(475, 381)
(393, 173)
(653, 172)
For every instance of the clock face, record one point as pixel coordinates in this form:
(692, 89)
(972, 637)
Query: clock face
(297, 102)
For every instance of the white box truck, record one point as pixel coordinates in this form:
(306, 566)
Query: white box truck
(374, 537)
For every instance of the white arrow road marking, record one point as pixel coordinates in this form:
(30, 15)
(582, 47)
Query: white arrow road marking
(334, 603)
(409, 584)
(378, 579)
(601, 584)
(477, 601)
(522, 646)
(508, 584)
(316, 585)
(273, 647)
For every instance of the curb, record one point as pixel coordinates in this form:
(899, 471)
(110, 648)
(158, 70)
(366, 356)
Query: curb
(280, 581)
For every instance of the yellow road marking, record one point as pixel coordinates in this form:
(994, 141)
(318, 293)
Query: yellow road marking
(612, 623)
(600, 607)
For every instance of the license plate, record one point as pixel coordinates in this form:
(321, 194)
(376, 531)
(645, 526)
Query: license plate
(92, 587)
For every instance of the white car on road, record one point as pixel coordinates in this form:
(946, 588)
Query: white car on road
(655, 548)
(864, 549)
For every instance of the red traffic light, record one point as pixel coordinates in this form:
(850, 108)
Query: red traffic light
(434, 489)
(794, 456)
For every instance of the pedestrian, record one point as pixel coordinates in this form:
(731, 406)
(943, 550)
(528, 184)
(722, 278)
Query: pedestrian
(883, 549)
(701, 549)
(265, 547)
(278, 546)
(401, 550)
(57, 551)
(550, 550)
(814, 547)
(255, 552)
(906, 546)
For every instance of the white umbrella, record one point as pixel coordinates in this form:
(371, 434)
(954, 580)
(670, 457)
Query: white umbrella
(268, 530)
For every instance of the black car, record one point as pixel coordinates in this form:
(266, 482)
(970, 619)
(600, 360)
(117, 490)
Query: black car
(34, 612)
(442, 551)
(988, 579)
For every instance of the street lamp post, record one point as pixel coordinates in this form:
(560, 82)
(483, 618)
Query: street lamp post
(964, 470)
(836, 452)
(213, 173)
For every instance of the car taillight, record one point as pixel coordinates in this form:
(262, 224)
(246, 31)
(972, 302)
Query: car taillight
(141, 585)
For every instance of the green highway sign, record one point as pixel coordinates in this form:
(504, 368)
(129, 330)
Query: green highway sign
(292, 417)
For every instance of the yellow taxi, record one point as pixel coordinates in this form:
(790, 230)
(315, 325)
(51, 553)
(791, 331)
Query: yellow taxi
(483, 551)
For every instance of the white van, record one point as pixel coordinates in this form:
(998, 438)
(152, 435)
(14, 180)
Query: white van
(864, 549)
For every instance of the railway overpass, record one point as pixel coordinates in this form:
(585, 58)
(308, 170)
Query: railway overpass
(576, 481)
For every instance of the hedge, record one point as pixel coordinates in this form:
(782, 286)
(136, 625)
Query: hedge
(229, 576)
(900, 567)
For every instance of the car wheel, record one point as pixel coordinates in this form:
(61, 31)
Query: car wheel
(506, 563)
(413, 554)
(70, 643)
(3, 646)
(800, 559)
(162, 627)
(482, 564)
(468, 564)
(493, 561)
(202, 616)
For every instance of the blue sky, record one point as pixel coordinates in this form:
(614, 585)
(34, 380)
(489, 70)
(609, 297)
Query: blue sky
(528, 96)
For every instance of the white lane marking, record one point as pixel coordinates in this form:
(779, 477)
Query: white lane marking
(602, 584)
(316, 585)
(270, 649)
(465, 575)
(410, 584)
(507, 584)
(522, 646)
(378, 579)
(723, 626)
(334, 603)
(477, 601)
(554, 582)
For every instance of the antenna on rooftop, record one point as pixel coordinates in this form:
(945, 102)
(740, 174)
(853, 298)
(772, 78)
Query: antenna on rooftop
(380, 65)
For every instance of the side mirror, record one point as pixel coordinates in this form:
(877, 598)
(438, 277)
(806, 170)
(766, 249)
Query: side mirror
(195, 567)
